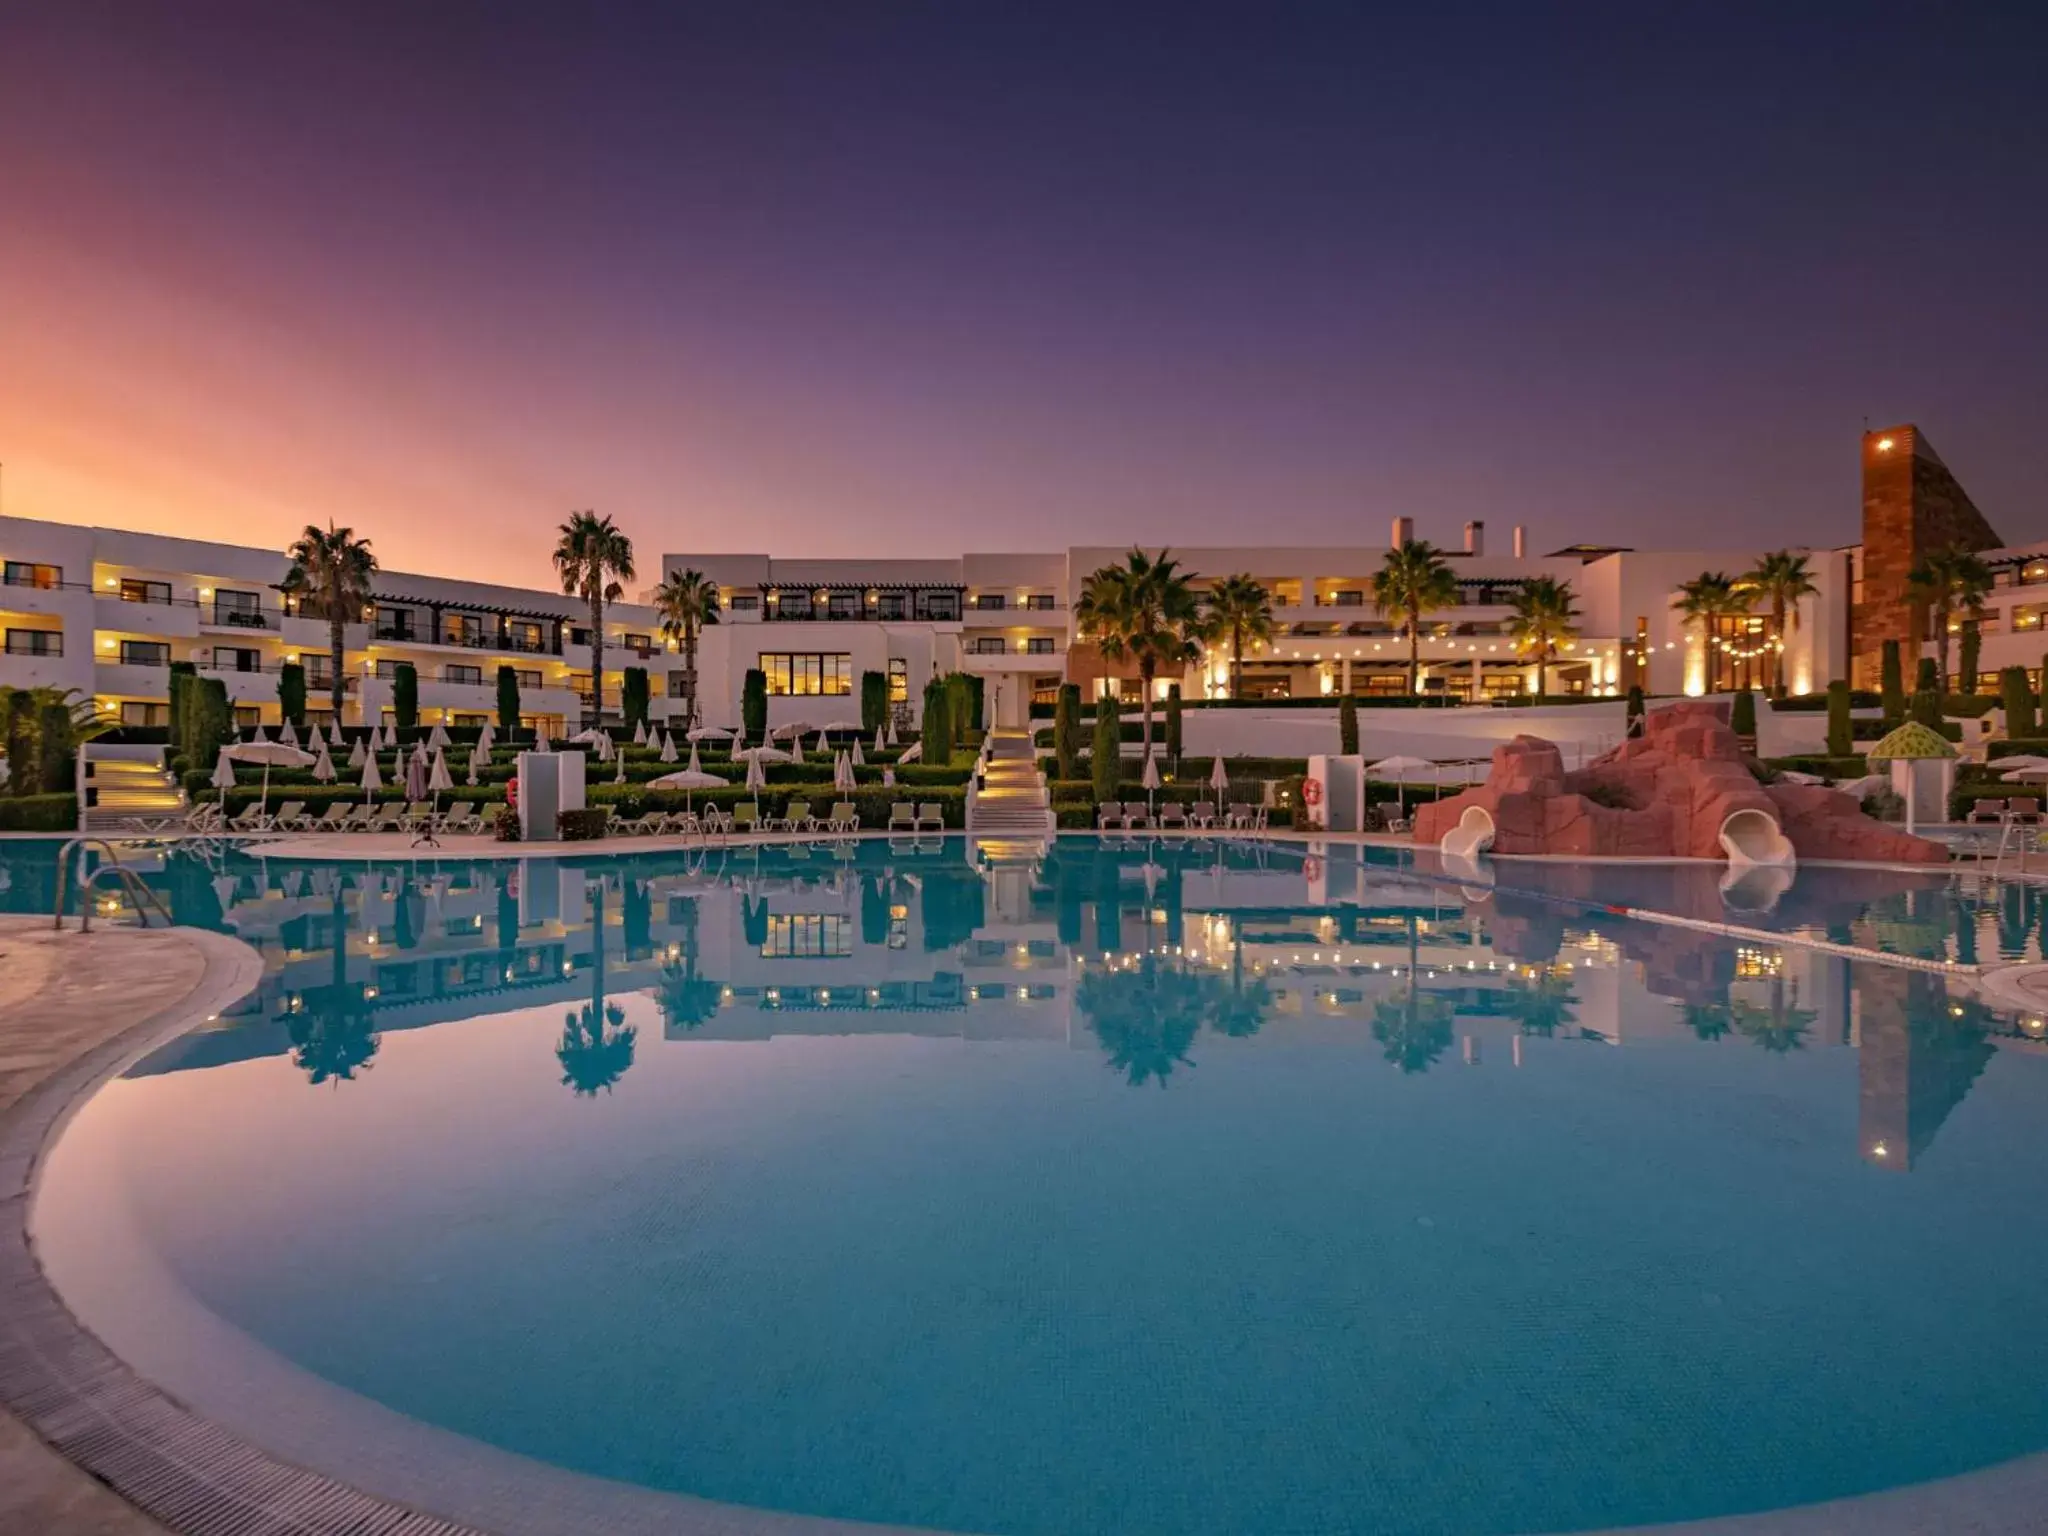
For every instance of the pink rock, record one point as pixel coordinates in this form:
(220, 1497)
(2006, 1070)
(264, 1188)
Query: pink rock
(1681, 780)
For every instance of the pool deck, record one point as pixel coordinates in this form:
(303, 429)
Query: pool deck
(62, 995)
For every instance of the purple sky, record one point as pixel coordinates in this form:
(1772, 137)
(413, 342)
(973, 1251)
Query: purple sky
(878, 278)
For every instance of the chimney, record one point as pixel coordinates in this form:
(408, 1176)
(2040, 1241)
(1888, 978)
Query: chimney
(1404, 532)
(1521, 542)
(1475, 538)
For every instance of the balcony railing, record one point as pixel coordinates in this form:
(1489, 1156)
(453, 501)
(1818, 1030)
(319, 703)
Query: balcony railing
(232, 617)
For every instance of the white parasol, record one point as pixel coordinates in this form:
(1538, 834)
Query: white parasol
(842, 774)
(708, 733)
(372, 779)
(859, 757)
(267, 753)
(479, 759)
(912, 752)
(437, 738)
(1219, 780)
(356, 754)
(1150, 779)
(668, 748)
(687, 779)
(1403, 771)
(289, 734)
(757, 779)
(640, 733)
(323, 769)
(540, 737)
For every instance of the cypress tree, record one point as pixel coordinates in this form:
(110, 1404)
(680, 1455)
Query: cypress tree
(1743, 716)
(936, 729)
(1066, 732)
(2018, 700)
(1973, 642)
(1173, 721)
(1893, 684)
(405, 696)
(1841, 728)
(754, 705)
(1925, 707)
(1105, 765)
(508, 700)
(1926, 677)
(1347, 726)
(291, 693)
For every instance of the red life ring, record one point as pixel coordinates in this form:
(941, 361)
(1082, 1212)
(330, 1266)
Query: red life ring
(1312, 791)
(1311, 868)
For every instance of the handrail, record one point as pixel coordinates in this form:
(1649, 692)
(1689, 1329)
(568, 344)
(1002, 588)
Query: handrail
(144, 898)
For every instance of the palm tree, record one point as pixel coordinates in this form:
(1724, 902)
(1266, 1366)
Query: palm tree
(596, 1049)
(1707, 599)
(1238, 1010)
(1543, 1004)
(1708, 1021)
(1542, 622)
(686, 604)
(1949, 581)
(593, 560)
(1144, 611)
(334, 1032)
(330, 576)
(1238, 606)
(1414, 581)
(1781, 579)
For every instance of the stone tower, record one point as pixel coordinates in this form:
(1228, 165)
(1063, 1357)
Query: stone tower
(1912, 506)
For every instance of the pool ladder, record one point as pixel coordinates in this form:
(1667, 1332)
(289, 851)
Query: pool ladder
(144, 899)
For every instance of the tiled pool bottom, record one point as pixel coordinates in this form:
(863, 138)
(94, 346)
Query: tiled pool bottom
(877, 1193)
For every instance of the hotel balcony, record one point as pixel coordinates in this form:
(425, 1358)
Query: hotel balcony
(163, 620)
(1011, 659)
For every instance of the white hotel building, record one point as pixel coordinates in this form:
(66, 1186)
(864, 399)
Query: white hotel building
(105, 612)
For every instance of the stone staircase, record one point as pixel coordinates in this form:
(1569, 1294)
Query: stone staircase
(1014, 802)
(129, 793)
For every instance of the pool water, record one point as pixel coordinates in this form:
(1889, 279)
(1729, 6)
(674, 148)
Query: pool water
(1137, 1187)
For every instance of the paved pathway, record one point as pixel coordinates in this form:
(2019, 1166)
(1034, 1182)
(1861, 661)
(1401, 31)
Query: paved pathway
(61, 995)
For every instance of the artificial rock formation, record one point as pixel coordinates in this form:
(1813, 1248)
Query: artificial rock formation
(1665, 794)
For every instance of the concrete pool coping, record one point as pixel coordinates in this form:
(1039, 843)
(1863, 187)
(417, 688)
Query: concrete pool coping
(198, 1477)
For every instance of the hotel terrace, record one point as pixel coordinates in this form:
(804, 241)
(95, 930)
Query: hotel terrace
(105, 612)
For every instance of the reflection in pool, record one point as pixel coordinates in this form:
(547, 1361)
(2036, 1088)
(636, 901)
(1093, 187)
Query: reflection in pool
(1174, 1187)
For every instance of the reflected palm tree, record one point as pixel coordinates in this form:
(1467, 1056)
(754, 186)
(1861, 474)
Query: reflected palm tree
(333, 1034)
(1414, 1026)
(1146, 1018)
(1235, 1009)
(1779, 1027)
(596, 1048)
(687, 1000)
(1542, 1004)
(1709, 1021)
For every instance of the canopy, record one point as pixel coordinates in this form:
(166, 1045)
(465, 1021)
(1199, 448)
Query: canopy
(267, 753)
(289, 735)
(356, 754)
(640, 733)
(668, 748)
(323, 769)
(437, 738)
(1911, 741)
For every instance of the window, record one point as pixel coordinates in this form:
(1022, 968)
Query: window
(843, 605)
(899, 680)
(529, 679)
(134, 591)
(247, 715)
(145, 653)
(744, 602)
(1039, 600)
(469, 677)
(643, 644)
(807, 936)
(395, 624)
(229, 658)
(1987, 623)
(989, 645)
(1038, 645)
(465, 629)
(578, 636)
(1348, 597)
(2028, 616)
(35, 642)
(989, 601)
(23, 573)
(141, 712)
(939, 607)
(893, 606)
(813, 673)
(387, 670)
(522, 636)
(679, 685)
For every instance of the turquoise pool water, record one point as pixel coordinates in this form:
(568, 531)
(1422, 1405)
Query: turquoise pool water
(1138, 1188)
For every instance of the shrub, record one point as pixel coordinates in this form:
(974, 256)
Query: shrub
(508, 700)
(1347, 726)
(936, 729)
(291, 693)
(2018, 699)
(585, 826)
(633, 697)
(1066, 731)
(1885, 803)
(1743, 716)
(1892, 688)
(1966, 666)
(874, 701)
(1105, 761)
(39, 813)
(506, 825)
(405, 695)
(754, 705)
(211, 720)
(24, 771)
(1841, 727)
(1926, 677)
(59, 775)
(1925, 707)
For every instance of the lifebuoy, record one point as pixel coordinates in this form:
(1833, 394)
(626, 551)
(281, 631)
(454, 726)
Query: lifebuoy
(1312, 791)
(1312, 868)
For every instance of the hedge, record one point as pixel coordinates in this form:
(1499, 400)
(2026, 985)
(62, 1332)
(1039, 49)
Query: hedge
(1876, 730)
(1810, 762)
(628, 800)
(39, 813)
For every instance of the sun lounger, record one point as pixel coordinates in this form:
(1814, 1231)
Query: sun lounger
(462, 817)
(1173, 814)
(1202, 815)
(418, 815)
(796, 817)
(291, 817)
(746, 816)
(1137, 814)
(332, 821)
(389, 818)
(249, 819)
(933, 816)
(844, 819)
(902, 817)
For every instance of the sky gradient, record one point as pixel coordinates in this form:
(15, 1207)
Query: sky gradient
(886, 278)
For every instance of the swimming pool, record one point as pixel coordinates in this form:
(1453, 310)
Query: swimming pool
(1150, 1186)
